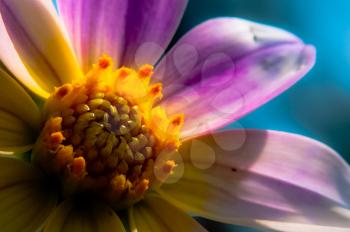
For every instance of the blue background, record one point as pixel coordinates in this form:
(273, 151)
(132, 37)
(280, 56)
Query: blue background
(319, 105)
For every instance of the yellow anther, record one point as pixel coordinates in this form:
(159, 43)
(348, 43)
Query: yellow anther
(64, 156)
(173, 130)
(156, 91)
(141, 188)
(146, 71)
(104, 62)
(119, 183)
(104, 133)
(169, 167)
(63, 90)
(177, 120)
(56, 138)
(53, 125)
(123, 72)
(78, 167)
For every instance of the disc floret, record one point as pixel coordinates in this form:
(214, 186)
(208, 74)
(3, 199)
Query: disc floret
(103, 134)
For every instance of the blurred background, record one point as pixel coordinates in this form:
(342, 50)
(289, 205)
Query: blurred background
(319, 105)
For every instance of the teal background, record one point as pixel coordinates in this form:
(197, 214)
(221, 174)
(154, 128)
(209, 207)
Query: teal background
(319, 105)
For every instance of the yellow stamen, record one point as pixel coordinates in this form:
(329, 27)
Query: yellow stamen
(155, 91)
(103, 133)
(64, 156)
(63, 91)
(104, 62)
(55, 139)
(169, 167)
(146, 70)
(78, 167)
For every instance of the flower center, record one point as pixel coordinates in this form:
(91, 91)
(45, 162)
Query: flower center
(103, 135)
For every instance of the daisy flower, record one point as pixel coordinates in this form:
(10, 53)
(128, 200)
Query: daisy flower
(102, 131)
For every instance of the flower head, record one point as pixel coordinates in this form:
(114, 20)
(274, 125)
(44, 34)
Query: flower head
(109, 133)
(103, 134)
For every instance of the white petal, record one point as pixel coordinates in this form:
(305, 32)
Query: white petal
(275, 180)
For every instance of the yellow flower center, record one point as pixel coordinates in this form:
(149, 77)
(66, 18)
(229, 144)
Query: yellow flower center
(103, 135)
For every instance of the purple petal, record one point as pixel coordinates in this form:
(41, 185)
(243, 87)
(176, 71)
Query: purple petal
(226, 68)
(132, 32)
(276, 180)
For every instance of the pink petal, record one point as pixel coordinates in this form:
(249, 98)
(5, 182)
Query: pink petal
(129, 31)
(276, 180)
(227, 67)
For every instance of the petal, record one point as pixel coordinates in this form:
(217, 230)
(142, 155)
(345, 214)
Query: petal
(32, 29)
(275, 180)
(10, 57)
(15, 135)
(79, 216)
(25, 204)
(156, 214)
(19, 116)
(129, 31)
(227, 67)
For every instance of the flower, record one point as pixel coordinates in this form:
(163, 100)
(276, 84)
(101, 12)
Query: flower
(112, 149)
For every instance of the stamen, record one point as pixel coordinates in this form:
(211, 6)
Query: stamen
(123, 72)
(78, 168)
(169, 166)
(63, 91)
(156, 91)
(104, 62)
(64, 156)
(56, 138)
(146, 71)
(103, 135)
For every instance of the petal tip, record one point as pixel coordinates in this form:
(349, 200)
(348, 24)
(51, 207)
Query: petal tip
(310, 54)
(267, 34)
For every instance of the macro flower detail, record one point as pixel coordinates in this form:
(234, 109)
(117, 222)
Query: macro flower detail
(102, 131)
(103, 134)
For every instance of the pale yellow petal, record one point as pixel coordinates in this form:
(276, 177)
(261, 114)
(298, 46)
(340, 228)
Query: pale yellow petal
(19, 116)
(15, 100)
(155, 214)
(84, 216)
(41, 43)
(25, 199)
(15, 135)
